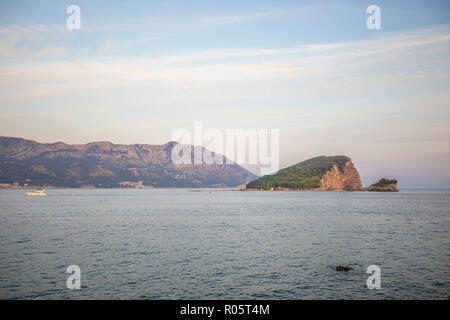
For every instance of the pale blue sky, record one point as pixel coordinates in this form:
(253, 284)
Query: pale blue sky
(137, 70)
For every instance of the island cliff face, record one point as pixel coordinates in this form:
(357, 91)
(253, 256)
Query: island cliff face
(341, 178)
(320, 173)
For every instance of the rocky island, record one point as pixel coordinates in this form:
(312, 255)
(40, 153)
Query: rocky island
(383, 185)
(323, 173)
(319, 173)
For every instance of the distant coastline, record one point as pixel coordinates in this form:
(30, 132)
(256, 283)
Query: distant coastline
(27, 164)
(105, 164)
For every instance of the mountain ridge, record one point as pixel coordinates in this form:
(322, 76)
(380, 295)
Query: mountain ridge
(105, 164)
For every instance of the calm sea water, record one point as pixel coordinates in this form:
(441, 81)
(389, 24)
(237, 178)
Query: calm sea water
(175, 244)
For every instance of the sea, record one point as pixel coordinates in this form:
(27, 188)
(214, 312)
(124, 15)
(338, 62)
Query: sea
(179, 244)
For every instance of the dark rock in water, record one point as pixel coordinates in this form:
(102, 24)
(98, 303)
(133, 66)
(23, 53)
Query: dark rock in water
(342, 268)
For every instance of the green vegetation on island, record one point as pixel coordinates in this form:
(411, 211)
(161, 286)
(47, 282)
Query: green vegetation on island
(304, 175)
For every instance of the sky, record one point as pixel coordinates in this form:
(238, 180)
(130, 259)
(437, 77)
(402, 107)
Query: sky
(136, 71)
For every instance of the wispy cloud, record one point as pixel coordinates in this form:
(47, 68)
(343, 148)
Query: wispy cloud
(105, 46)
(399, 59)
(233, 19)
(29, 43)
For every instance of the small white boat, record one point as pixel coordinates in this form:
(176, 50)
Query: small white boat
(39, 192)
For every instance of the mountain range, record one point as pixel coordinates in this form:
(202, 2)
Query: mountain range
(104, 164)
